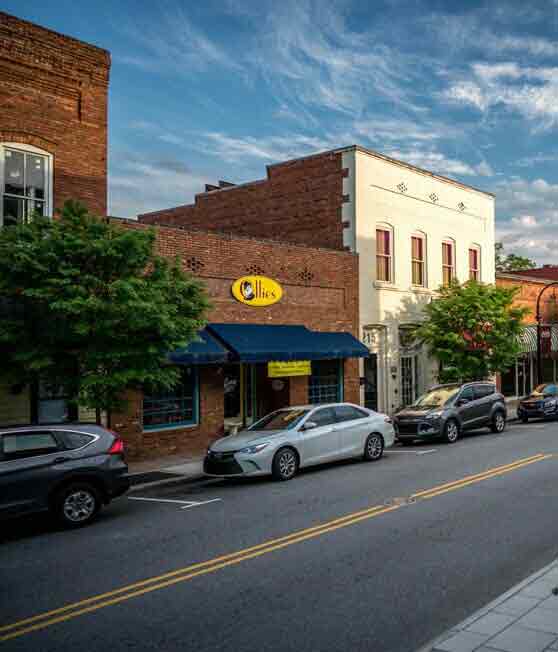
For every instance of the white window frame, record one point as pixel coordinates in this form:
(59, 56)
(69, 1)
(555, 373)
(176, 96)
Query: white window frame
(477, 248)
(384, 226)
(28, 149)
(421, 236)
(451, 242)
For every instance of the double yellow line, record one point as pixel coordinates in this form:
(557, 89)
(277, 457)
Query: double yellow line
(94, 603)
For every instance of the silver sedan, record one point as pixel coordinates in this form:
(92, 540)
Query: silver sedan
(295, 437)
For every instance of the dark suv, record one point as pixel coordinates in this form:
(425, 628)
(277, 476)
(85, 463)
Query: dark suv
(448, 410)
(542, 403)
(69, 470)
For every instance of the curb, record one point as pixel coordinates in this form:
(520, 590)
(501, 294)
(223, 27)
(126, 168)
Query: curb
(479, 613)
(185, 479)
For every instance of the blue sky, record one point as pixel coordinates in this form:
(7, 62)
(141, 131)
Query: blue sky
(217, 90)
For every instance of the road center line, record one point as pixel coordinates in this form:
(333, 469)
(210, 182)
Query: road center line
(88, 605)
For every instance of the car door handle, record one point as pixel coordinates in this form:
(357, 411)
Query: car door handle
(61, 460)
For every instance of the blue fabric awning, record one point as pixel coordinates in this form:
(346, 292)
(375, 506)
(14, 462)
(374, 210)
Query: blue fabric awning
(266, 342)
(207, 350)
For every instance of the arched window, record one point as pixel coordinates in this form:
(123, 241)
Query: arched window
(384, 253)
(418, 259)
(475, 262)
(25, 183)
(448, 261)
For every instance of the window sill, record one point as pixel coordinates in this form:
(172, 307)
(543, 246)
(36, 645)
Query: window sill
(175, 426)
(384, 285)
(420, 289)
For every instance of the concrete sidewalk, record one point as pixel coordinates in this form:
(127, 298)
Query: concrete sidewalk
(525, 619)
(165, 469)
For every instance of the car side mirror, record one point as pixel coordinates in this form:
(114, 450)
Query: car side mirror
(462, 401)
(309, 425)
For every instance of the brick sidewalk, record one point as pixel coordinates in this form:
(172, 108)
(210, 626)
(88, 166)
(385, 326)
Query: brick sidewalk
(525, 619)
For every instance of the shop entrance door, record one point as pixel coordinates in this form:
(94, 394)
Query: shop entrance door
(409, 379)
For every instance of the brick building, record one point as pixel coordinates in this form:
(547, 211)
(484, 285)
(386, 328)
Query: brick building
(53, 121)
(523, 376)
(53, 147)
(319, 295)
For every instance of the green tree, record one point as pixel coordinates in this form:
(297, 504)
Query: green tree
(472, 330)
(511, 262)
(88, 305)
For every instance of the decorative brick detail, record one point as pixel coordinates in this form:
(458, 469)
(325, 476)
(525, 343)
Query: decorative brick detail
(300, 201)
(53, 95)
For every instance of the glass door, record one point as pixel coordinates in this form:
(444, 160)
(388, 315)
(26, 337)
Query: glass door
(409, 373)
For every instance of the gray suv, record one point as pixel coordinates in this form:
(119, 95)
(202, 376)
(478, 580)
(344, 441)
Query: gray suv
(446, 411)
(70, 470)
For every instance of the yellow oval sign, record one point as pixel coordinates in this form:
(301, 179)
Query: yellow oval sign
(256, 291)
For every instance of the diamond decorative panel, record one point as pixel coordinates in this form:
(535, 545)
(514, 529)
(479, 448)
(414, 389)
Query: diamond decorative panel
(433, 197)
(402, 187)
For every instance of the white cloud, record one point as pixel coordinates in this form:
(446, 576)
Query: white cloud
(531, 92)
(528, 218)
(271, 149)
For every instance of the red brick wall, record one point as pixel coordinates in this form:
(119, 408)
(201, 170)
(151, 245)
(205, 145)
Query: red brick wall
(53, 95)
(300, 201)
(320, 292)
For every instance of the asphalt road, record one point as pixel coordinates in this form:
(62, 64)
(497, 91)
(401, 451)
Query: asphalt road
(345, 557)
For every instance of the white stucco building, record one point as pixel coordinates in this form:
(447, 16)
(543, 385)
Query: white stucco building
(413, 230)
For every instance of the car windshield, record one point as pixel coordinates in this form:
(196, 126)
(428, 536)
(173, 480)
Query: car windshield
(280, 420)
(437, 397)
(546, 389)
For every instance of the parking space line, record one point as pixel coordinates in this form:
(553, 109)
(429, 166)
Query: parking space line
(186, 504)
(205, 502)
(411, 452)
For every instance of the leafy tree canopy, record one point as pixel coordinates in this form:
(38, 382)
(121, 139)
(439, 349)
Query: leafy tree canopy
(511, 262)
(472, 330)
(88, 305)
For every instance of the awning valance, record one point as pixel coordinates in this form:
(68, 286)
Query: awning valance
(206, 350)
(267, 342)
(528, 338)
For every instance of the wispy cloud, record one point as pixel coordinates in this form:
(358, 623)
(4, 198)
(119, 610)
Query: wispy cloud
(139, 185)
(309, 56)
(169, 42)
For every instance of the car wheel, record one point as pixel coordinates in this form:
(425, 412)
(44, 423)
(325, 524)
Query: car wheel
(374, 447)
(451, 431)
(285, 464)
(77, 504)
(524, 419)
(498, 422)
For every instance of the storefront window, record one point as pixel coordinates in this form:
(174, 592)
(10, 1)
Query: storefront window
(174, 407)
(53, 406)
(325, 385)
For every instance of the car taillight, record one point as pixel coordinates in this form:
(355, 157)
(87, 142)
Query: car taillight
(117, 447)
(388, 420)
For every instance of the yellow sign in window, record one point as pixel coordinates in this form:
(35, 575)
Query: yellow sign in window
(291, 368)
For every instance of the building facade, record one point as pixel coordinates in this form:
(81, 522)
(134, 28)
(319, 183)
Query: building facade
(523, 376)
(230, 383)
(53, 147)
(413, 230)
